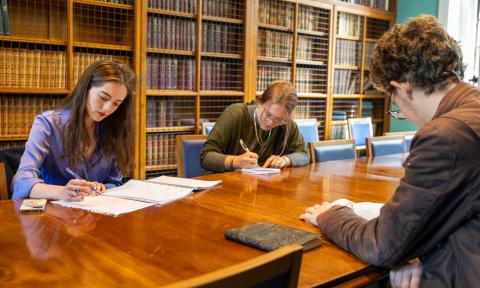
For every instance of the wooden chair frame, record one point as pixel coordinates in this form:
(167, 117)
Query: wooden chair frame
(252, 272)
(311, 146)
(180, 139)
(3, 183)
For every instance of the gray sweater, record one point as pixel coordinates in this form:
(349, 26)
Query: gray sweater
(236, 123)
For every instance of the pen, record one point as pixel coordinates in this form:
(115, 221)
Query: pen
(244, 146)
(74, 175)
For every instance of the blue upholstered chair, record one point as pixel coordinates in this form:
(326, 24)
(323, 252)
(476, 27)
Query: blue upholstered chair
(332, 150)
(385, 145)
(309, 129)
(408, 137)
(188, 155)
(207, 127)
(359, 129)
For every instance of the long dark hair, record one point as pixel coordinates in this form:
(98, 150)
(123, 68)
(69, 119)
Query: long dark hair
(283, 93)
(117, 130)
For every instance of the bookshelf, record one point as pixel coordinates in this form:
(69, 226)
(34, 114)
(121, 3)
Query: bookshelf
(45, 46)
(193, 59)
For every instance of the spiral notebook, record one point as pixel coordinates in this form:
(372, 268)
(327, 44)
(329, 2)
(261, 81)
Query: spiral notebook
(137, 194)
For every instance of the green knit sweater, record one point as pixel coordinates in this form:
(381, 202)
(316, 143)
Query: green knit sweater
(236, 123)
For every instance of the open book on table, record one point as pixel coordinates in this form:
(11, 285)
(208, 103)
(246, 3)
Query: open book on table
(137, 194)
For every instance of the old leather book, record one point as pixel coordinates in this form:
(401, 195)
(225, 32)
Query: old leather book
(269, 236)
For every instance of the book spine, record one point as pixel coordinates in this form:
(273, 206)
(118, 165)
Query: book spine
(6, 18)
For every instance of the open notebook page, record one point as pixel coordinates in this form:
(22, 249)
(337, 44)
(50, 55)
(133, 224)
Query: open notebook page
(193, 183)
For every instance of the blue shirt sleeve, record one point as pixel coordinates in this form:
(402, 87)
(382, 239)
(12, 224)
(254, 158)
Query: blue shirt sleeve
(36, 150)
(114, 178)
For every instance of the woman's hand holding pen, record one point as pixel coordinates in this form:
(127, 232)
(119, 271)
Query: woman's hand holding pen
(76, 189)
(246, 160)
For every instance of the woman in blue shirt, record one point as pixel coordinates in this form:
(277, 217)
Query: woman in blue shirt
(91, 133)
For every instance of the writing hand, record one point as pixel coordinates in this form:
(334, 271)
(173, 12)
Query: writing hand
(276, 162)
(246, 160)
(76, 189)
(311, 213)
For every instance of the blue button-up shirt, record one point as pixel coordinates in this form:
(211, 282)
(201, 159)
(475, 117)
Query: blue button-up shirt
(43, 161)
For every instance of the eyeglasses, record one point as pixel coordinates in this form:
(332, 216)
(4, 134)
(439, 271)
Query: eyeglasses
(396, 114)
(267, 116)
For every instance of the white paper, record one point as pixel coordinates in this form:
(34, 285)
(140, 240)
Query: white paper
(366, 210)
(148, 192)
(105, 205)
(193, 183)
(261, 171)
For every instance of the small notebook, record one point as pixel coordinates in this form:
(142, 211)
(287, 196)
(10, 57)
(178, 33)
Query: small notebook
(261, 171)
(31, 205)
(268, 236)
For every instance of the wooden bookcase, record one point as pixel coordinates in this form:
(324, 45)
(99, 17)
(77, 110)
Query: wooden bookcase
(193, 58)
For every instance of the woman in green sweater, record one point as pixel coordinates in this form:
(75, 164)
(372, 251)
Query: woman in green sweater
(270, 137)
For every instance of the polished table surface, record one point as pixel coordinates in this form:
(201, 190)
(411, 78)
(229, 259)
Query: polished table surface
(163, 244)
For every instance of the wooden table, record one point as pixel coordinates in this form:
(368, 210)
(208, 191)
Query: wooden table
(163, 244)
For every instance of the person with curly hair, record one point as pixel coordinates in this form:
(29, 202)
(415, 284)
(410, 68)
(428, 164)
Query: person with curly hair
(91, 133)
(433, 215)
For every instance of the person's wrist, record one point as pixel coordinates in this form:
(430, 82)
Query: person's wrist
(287, 161)
(319, 216)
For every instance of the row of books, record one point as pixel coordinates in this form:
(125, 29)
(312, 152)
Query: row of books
(216, 75)
(274, 44)
(312, 48)
(8, 144)
(348, 52)
(346, 82)
(21, 68)
(339, 131)
(266, 74)
(18, 111)
(82, 60)
(128, 2)
(4, 18)
(311, 80)
(276, 13)
(160, 149)
(349, 25)
(186, 6)
(220, 38)
(359, 2)
(369, 46)
(170, 73)
(310, 108)
(381, 4)
(223, 8)
(312, 19)
(159, 113)
(170, 33)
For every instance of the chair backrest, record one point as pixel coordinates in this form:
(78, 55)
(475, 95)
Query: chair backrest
(10, 158)
(207, 127)
(188, 154)
(279, 268)
(360, 129)
(408, 137)
(385, 145)
(309, 129)
(332, 150)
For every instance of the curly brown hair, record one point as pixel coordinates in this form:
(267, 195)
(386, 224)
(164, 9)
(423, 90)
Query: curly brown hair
(420, 52)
